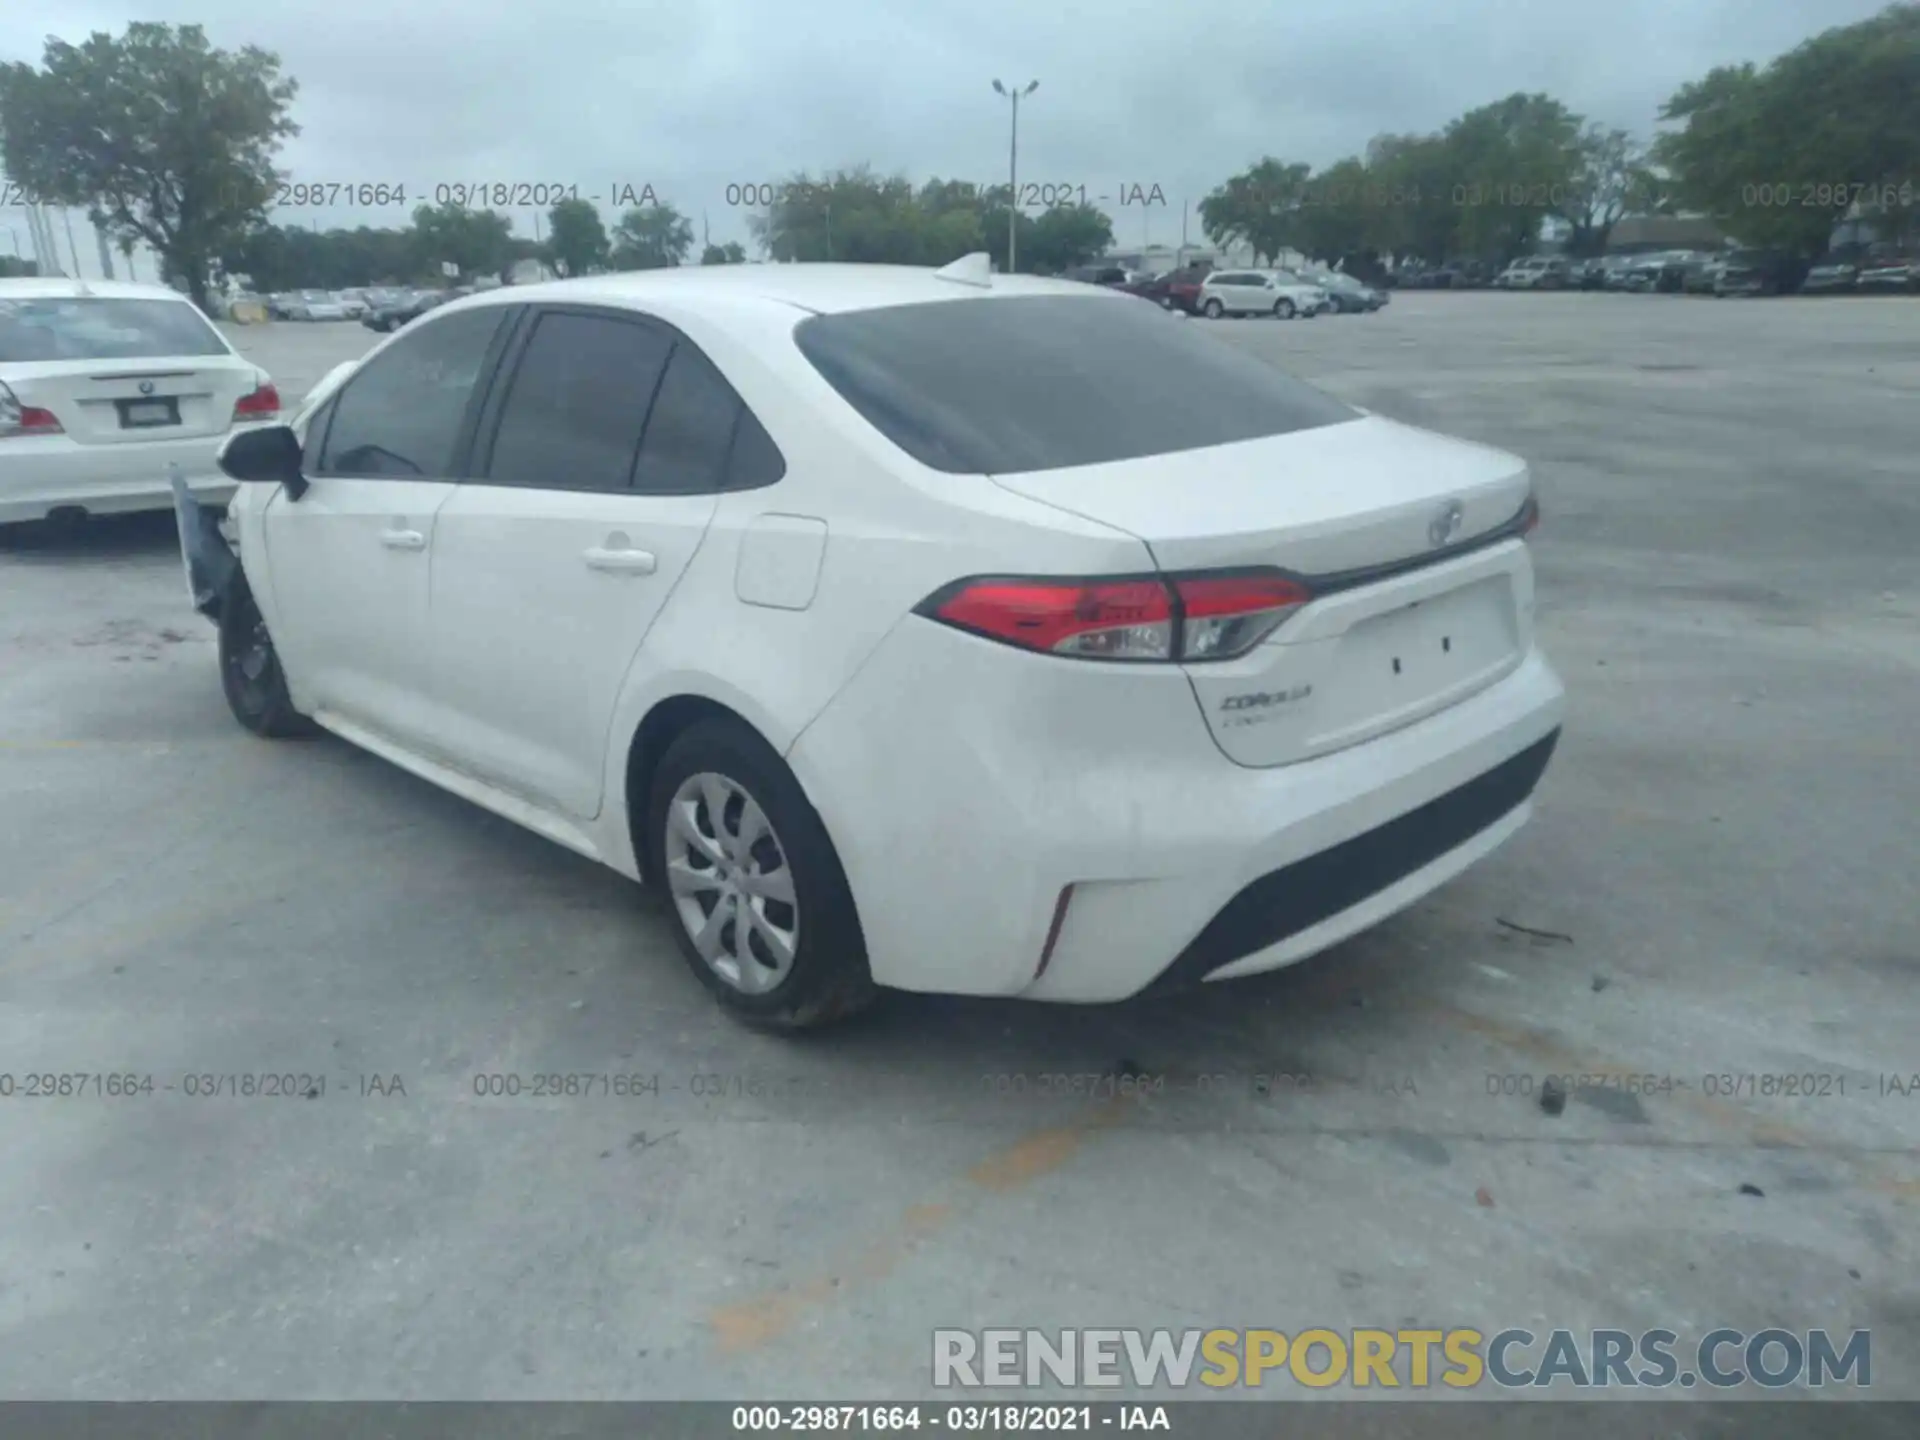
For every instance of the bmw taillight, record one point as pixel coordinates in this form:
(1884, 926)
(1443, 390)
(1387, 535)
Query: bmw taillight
(18, 419)
(262, 404)
(1168, 619)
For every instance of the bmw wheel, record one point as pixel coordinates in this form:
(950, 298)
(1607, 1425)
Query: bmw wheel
(250, 673)
(1283, 309)
(760, 906)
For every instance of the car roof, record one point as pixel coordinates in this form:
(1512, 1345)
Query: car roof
(58, 287)
(818, 288)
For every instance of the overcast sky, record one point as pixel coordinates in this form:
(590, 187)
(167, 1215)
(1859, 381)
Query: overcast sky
(697, 96)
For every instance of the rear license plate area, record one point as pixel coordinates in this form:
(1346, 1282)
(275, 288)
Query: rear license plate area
(1432, 644)
(148, 414)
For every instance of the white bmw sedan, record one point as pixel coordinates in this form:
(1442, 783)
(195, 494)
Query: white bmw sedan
(923, 629)
(104, 388)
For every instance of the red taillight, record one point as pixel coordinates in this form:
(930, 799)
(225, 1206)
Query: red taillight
(262, 404)
(1198, 617)
(1097, 619)
(18, 419)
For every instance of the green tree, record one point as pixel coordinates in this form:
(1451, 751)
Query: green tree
(1064, 236)
(1342, 212)
(161, 137)
(1515, 162)
(1413, 212)
(480, 242)
(576, 240)
(1259, 208)
(730, 253)
(1779, 156)
(1615, 179)
(651, 237)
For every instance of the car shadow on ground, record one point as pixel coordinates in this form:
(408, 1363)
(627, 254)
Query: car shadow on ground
(97, 538)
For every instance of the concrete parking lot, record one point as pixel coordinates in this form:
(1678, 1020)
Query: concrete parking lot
(1718, 888)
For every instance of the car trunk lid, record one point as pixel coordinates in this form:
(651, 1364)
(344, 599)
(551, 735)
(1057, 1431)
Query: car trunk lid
(1406, 539)
(110, 402)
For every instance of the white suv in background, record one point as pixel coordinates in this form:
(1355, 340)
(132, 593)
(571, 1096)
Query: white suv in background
(1279, 293)
(104, 387)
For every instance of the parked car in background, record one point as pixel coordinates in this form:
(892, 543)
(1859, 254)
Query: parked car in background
(1831, 275)
(1346, 295)
(1182, 288)
(1112, 276)
(1258, 292)
(1889, 274)
(1759, 272)
(1534, 272)
(533, 550)
(410, 307)
(281, 304)
(104, 386)
(1699, 274)
(352, 303)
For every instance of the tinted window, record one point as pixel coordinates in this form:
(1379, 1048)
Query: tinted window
(401, 415)
(1043, 382)
(690, 432)
(756, 460)
(573, 418)
(96, 328)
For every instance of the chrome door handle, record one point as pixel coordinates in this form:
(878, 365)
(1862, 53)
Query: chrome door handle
(625, 562)
(403, 540)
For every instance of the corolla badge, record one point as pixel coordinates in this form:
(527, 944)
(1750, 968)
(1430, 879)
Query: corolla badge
(1446, 524)
(146, 387)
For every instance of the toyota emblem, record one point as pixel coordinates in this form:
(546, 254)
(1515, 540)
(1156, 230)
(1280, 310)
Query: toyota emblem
(1446, 524)
(146, 387)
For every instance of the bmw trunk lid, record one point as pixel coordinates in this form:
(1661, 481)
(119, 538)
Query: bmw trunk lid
(1421, 593)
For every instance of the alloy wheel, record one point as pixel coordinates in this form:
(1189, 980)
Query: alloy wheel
(731, 885)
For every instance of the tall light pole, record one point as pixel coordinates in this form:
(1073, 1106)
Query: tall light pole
(1013, 165)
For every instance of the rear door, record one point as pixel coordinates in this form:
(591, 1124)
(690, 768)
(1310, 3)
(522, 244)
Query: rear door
(604, 455)
(348, 562)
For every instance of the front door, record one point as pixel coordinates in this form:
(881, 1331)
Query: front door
(348, 562)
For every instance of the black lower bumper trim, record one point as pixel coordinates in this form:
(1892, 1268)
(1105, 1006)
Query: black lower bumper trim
(1299, 896)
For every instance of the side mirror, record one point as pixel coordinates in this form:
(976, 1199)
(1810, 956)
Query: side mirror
(265, 455)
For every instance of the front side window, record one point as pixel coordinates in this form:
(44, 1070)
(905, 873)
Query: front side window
(1010, 384)
(103, 328)
(403, 413)
(578, 403)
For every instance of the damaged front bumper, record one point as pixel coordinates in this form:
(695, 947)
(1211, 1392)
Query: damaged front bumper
(211, 564)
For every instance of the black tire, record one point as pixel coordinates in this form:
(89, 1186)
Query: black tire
(1213, 309)
(250, 674)
(1283, 309)
(829, 980)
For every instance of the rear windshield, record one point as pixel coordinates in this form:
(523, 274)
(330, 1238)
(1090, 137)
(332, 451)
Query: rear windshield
(103, 328)
(1047, 382)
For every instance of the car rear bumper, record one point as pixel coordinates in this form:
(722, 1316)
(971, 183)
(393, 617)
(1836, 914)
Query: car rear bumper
(964, 803)
(40, 475)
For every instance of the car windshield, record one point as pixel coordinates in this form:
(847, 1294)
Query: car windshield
(103, 328)
(1046, 382)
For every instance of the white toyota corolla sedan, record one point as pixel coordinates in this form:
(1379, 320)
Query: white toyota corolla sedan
(104, 387)
(907, 628)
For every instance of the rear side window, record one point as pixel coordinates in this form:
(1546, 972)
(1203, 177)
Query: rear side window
(690, 433)
(573, 418)
(103, 328)
(1048, 382)
(402, 413)
(701, 435)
